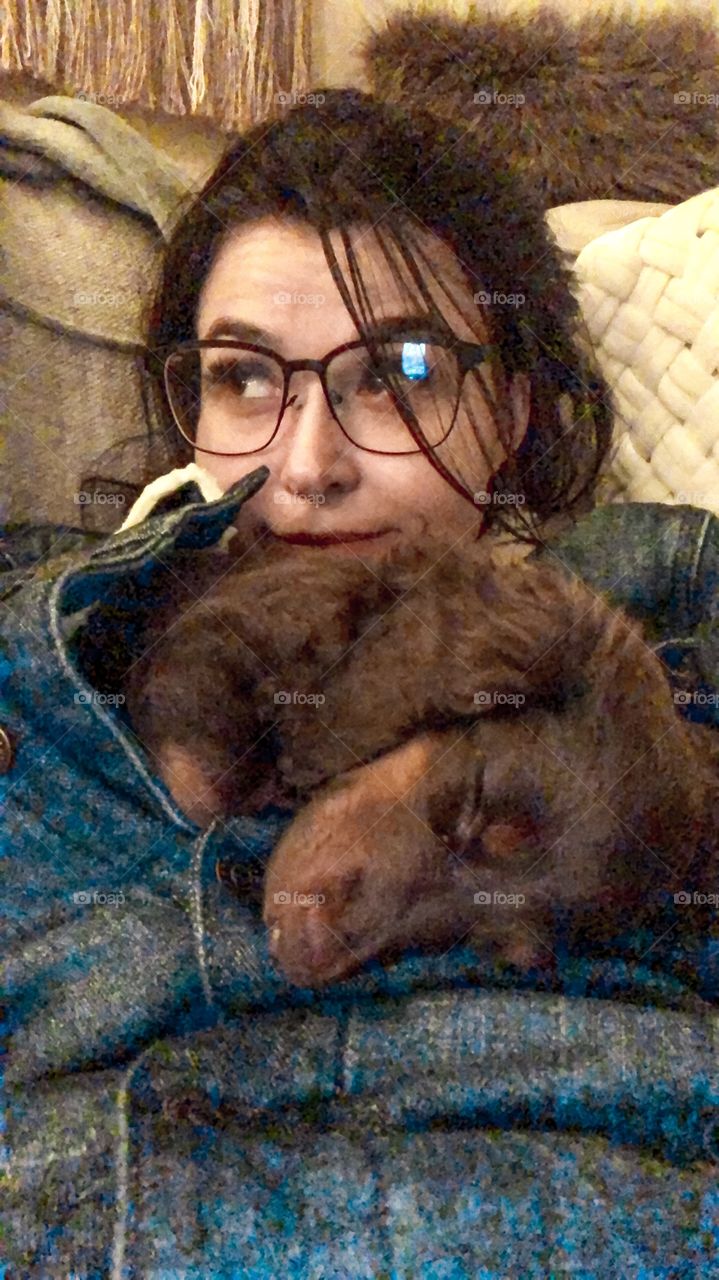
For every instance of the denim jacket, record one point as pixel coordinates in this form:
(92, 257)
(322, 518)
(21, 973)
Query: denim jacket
(173, 1107)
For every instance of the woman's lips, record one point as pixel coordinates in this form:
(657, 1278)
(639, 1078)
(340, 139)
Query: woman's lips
(329, 539)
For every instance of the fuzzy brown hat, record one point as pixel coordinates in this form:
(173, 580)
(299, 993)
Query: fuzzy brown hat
(606, 107)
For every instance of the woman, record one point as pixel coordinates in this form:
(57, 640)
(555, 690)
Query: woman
(173, 1107)
(308, 236)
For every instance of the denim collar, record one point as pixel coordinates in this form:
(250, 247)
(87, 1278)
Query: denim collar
(194, 525)
(137, 553)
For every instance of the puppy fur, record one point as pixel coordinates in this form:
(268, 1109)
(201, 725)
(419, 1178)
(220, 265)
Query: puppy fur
(475, 753)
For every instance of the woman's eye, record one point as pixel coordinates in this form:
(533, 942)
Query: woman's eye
(380, 378)
(239, 376)
(374, 380)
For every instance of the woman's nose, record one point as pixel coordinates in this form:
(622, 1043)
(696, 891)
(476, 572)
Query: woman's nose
(309, 396)
(313, 439)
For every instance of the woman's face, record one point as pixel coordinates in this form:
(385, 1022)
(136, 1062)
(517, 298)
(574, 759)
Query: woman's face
(273, 275)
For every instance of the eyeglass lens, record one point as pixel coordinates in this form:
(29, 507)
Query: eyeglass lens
(234, 396)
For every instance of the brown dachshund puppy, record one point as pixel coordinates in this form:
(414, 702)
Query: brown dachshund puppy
(473, 747)
(479, 836)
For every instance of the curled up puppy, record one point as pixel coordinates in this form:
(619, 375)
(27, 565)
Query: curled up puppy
(475, 753)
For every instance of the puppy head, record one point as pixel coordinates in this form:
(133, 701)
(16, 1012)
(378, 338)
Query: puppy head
(400, 853)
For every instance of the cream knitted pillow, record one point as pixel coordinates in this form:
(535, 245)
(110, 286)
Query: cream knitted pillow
(650, 295)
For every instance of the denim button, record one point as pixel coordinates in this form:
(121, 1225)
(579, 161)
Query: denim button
(7, 754)
(244, 878)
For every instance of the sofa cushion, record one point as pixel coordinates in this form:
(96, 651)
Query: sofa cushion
(86, 203)
(649, 293)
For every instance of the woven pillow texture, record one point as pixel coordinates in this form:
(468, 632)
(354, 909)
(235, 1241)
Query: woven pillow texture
(649, 293)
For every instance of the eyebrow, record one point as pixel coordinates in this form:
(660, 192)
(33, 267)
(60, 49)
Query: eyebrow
(243, 331)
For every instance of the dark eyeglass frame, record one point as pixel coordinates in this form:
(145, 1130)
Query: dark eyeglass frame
(469, 354)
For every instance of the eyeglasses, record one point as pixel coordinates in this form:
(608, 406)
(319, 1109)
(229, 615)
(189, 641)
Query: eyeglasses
(385, 397)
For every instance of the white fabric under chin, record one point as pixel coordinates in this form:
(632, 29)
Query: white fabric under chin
(173, 480)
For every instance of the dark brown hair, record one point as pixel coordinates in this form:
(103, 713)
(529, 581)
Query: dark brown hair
(347, 159)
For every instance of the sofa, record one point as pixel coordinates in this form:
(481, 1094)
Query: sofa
(428, 1118)
(87, 203)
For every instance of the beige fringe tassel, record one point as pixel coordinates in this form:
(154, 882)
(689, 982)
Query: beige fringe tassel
(9, 32)
(232, 61)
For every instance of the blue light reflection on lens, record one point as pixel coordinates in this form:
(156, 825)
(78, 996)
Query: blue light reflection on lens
(414, 364)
